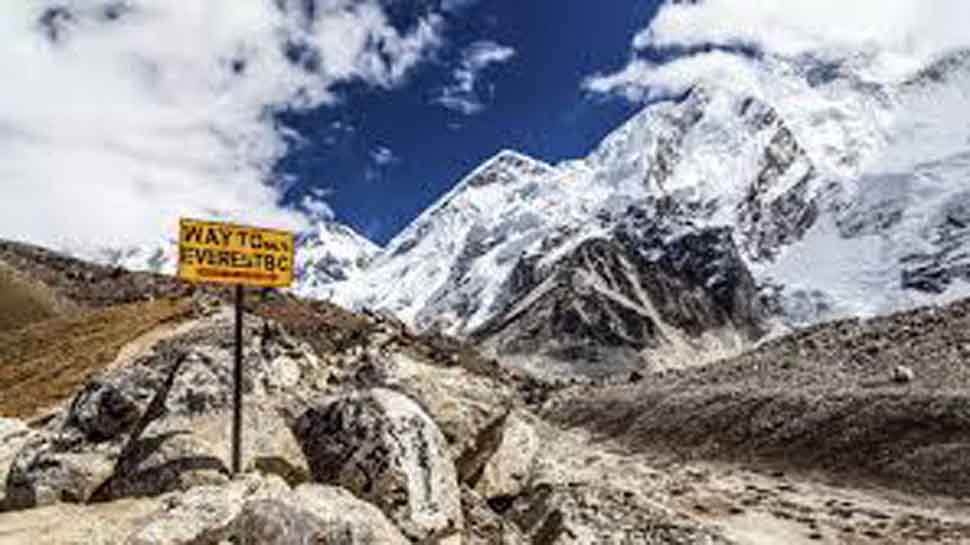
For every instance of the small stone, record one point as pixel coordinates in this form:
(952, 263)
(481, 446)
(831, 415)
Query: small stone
(903, 375)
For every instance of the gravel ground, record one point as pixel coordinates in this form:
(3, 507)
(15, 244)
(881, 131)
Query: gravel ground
(821, 399)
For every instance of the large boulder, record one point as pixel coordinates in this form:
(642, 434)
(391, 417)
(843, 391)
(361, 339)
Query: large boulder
(500, 464)
(259, 509)
(50, 468)
(316, 514)
(102, 411)
(154, 465)
(461, 403)
(383, 447)
(205, 515)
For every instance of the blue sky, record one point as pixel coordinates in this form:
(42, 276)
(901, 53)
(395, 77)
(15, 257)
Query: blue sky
(381, 156)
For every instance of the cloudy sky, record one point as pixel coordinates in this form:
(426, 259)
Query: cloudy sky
(117, 117)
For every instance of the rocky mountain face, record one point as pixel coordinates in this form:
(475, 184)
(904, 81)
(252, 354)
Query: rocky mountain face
(637, 293)
(329, 253)
(806, 195)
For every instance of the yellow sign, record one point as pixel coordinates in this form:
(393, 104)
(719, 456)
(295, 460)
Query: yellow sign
(226, 253)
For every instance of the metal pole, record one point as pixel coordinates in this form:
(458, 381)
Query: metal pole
(237, 387)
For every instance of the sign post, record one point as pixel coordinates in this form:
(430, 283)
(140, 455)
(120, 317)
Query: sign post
(226, 253)
(237, 378)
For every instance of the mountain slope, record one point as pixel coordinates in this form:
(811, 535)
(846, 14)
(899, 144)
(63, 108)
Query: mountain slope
(840, 196)
(331, 252)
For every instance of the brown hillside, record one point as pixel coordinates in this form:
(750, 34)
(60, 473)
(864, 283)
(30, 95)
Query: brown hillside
(46, 362)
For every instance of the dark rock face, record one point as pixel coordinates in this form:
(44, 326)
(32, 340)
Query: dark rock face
(934, 272)
(154, 465)
(768, 220)
(102, 411)
(610, 299)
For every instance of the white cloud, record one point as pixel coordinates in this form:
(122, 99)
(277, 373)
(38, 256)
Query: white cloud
(452, 6)
(463, 95)
(886, 40)
(643, 81)
(118, 117)
(383, 156)
(315, 204)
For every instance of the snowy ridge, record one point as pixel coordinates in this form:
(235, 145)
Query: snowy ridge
(444, 266)
(811, 168)
(331, 252)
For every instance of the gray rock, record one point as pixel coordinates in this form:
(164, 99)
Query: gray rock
(102, 411)
(275, 522)
(381, 446)
(500, 465)
(51, 468)
(461, 403)
(204, 515)
(903, 375)
(316, 514)
(263, 510)
(162, 463)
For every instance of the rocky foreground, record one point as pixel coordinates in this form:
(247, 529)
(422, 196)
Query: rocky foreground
(359, 432)
(367, 445)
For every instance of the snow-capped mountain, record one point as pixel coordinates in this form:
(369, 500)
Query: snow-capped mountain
(445, 270)
(838, 196)
(330, 252)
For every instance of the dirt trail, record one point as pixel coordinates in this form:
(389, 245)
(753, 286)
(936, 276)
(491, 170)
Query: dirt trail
(45, 363)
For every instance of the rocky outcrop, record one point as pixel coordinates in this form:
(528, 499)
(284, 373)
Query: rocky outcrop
(381, 446)
(102, 411)
(157, 464)
(652, 294)
(460, 402)
(159, 423)
(55, 467)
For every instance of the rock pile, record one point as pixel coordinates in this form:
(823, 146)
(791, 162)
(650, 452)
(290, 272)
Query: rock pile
(370, 443)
